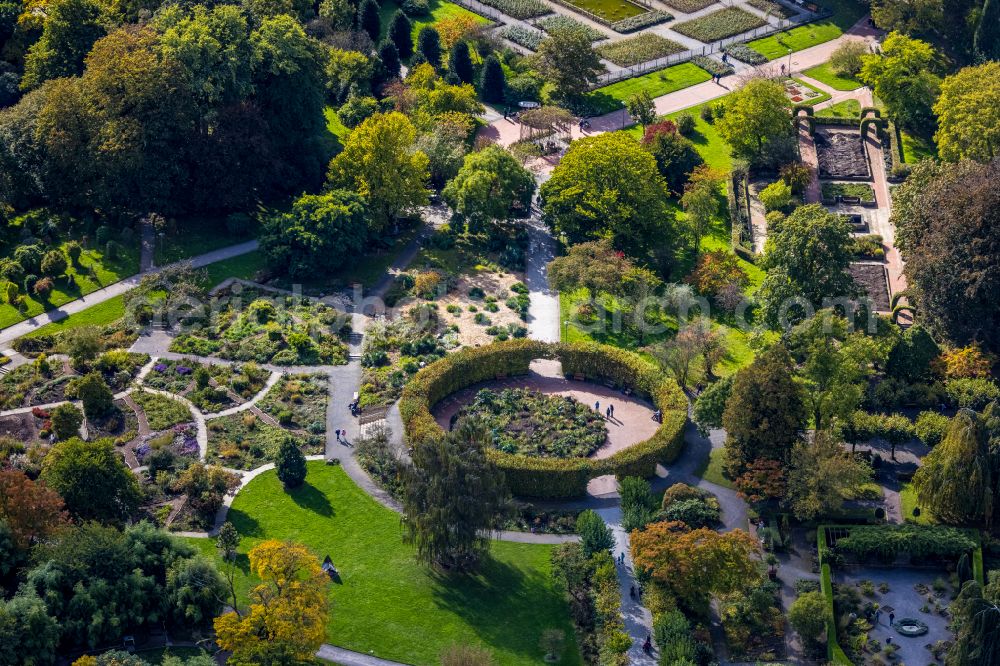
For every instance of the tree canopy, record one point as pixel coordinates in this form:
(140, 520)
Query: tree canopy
(93, 480)
(968, 112)
(905, 77)
(757, 123)
(489, 185)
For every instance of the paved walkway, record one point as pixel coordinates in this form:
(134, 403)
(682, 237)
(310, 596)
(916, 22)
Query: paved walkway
(12, 333)
(543, 312)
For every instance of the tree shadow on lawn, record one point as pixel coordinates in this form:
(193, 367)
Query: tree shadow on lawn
(244, 523)
(307, 496)
(504, 605)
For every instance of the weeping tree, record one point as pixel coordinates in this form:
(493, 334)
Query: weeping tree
(453, 497)
(976, 615)
(956, 481)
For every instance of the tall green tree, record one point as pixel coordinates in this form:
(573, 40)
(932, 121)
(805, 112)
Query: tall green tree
(460, 62)
(453, 496)
(92, 479)
(809, 252)
(676, 156)
(595, 536)
(492, 82)
(320, 234)
(905, 77)
(489, 185)
(968, 112)
(389, 57)
(833, 366)
(290, 464)
(567, 60)
(822, 475)
(401, 34)
(378, 161)
(757, 123)
(29, 635)
(764, 416)
(701, 203)
(955, 482)
(948, 231)
(69, 31)
(976, 615)
(368, 18)
(595, 266)
(640, 108)
(429, 44)
(607, 186)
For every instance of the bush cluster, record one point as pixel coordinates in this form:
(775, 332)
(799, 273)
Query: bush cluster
(744, 53)
(719, 25)
(638, 49)
(522, 36)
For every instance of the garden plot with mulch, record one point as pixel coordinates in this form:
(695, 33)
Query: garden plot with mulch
(46, 381)
(248, 439)
(872, 279)
(299, 402)
(841, 154)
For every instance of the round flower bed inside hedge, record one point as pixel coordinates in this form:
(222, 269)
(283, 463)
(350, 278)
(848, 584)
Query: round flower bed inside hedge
(531, 423)
(534, 476)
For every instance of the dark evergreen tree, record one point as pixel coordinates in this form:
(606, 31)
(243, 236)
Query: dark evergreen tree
(401, 34)
(389, 56)
(460, 62)
(492, 81)
(290, 464)
(429, 44)
(368, 19)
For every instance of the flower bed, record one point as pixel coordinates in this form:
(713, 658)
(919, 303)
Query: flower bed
(711, 66)
(531, 423)
(519, 9)
(640, 48)
(563, 22)
(860, 191)
(606, 10)
(299, 401)
(180, 440)
(744, 53)
(244, 441)
(772, 8)
(550, 477)
(641, 21)
(253, 325)
(689, 6)
(720, 24)
(161, 412)
(523, 36)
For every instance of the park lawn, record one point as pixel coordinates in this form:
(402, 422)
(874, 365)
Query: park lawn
(849, 108)
(916, 148)
(711, 469)
(907, 502)
(439, 11)
(336, 131)
(824, 74)
(845, 14)
(656, 84)
(609, 10)
(705, 137)
(113, 309)
(94, 272)
(388, 604)
(195, 236)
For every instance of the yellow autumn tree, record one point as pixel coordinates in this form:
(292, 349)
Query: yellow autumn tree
(286, 620)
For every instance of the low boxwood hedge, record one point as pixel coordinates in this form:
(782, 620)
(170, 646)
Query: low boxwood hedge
(552, 477)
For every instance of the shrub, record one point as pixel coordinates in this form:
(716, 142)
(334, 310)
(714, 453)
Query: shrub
(595, 536)
(694, 512)
(54, 263)
(66, 421)
(522, 35)
(290, 464)
(931, 427)
(685, 124)
(680, 492)
(846, 59)
(715, 68)
(744, 53)
(416, 7)
(719, 24)
(641, 48)
(776, 196)
(974, 393)
(74, 251)
(42, 288)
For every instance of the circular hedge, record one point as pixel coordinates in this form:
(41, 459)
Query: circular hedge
(552, 477)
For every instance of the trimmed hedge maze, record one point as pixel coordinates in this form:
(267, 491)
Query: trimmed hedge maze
(552, 477)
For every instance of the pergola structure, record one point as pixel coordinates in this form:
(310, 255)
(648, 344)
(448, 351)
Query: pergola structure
(546, 122)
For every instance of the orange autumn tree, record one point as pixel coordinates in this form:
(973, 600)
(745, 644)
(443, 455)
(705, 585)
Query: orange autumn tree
(32, 511)
(696, 563)
(286, 620)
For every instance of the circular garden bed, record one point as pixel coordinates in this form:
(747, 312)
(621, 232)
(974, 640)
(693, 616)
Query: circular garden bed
(909, 626)
(531, 423)
(550, 477)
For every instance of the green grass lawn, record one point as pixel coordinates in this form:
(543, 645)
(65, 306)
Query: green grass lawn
(705, 137)
(916, 148)
(94, 272)
(711, 469)
(849, 108)
(388, 604)
(113, 309)
(908, 501)
(439, 10)
(662, 82)
(610, 10)
(195, 236)
(824, 74)
(846, 14)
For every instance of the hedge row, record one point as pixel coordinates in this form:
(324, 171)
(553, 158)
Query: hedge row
(552, 477)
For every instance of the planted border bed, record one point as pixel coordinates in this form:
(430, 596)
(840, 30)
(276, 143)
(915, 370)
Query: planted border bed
(563, 22)
(548, 477)
(641, 48)
(719, 24)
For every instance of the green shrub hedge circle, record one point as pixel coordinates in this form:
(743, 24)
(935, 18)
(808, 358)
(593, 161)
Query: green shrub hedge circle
(552, 477)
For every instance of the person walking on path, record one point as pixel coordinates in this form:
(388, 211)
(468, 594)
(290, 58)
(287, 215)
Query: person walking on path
(611, 409)
(597, 406)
